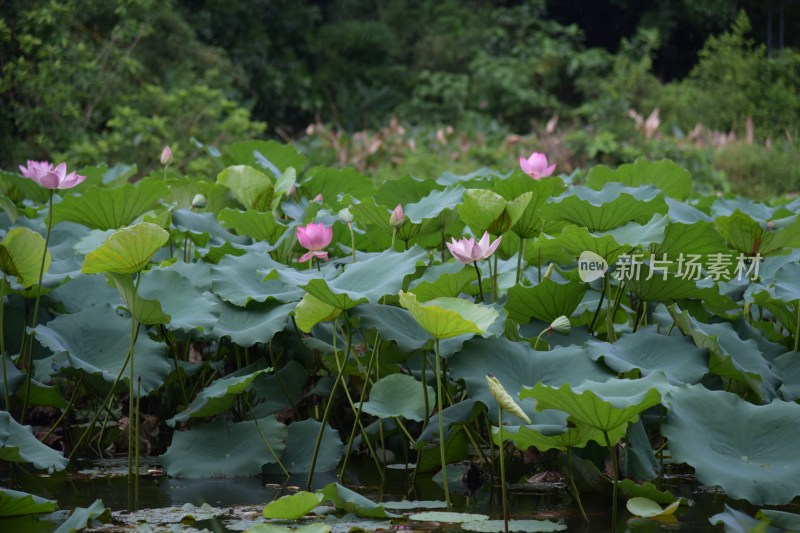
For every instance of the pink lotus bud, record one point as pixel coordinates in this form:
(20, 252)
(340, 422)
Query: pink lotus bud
(166, 156)
(398, 217)
(314, 237)
(318, 198)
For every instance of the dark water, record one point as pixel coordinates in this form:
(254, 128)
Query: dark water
(156, 492)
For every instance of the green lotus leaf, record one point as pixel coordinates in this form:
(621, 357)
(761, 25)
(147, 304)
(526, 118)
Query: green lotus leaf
(293, 506)
(110, 208)
(331, 183)
(639, 235)
(217, 397)
(549, 436)
(371, 214)
(9, 208)
(257, 322)
(670, 178)
(728, 205)
(750, 237)
(674, 287)
(188, 308)
(787, 283)
(352, 502)
(449, 317)
(457, 415)
(19, 445)
(259, 226)
(481, 209)
(544, 301)
(748, 450)
(700, 238)
(607, 208)
(438, 206)
(630, 489)
(273, 392)
(730, 356)
(95, 340)
(236, 279)
(517, 364)
(145, 311)
(529, 223)
(649, 352)
(251, 187)
(447, 517)
(566, 247)
(522, 526)
(444, 280)
(182, 192)
(605, 406)
(21, 253)
(204, 230)
(270, 154)
(224, 448)
(127, 250)
(782, 519)
(739, 522)
(404, 505)
(394, 324)
(16, 503)
(300, 448)
(787, 366)
(404, 191)
(19, 188)
(81, 517)
(368, 280)
(648, 508)
(398, 395)
(310, 311)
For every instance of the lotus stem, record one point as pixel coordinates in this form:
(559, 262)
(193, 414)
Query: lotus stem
(394, 236)
(615, 464)
(68, 408)
(3, 346)
(264, 439)
(502, 469)
(28, 365)
(480, 285)
(796, 331)
(138, 443)
(352, 240)
(133, 412)
(572, 484)
(439, 399)
(519, 260)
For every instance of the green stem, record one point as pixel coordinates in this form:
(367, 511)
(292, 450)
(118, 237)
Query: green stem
(29, 362)
(394, 236)
(352, 240)
(67, 410)
(538, 337)
(168, 340)
(615, 464)
(3, 346)
(501, 445)
(796, 332)
(439, 398)
(133, 414)
(480, 285)
(264, 439)
(597, 310)
(519, 260)
(495, 287)
(575, 492)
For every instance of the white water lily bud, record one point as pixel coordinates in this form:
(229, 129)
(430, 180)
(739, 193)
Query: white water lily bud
(199, 201)
(346, 216)
(561, 325)
(504, 399)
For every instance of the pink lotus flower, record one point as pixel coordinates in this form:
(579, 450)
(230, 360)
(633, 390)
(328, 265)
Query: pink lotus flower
(536, 166)
(468, 251)
(314, 237)
(398, 217)
(166, 156)
(45, 175)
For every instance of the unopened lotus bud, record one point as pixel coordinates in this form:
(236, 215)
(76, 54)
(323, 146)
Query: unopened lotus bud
(199, 201)
(398, 217)
(504, 399)
(346, 216)
(561, 325)
(166, 156)
(318, 198)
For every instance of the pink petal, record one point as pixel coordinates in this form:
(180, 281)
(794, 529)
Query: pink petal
(305, 257)
(493, 247)
(549, 170)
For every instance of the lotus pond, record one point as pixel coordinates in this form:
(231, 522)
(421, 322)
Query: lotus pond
(606, 350)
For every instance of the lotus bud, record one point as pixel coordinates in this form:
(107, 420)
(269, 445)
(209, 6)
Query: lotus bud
(318, 198)
(561, 325)
(166, 156)
(504, 399)
(398, 217)
(199, 201)
(346, 216)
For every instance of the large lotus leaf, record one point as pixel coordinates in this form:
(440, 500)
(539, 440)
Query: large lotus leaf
(258, 322)
(395, 324)
(547, 437)
(331, 183)
(216, 398)
(145, 311)
(731, 357)
(457, 415)
(516, 364)
(605, 406)
(646, 507)
(292, 506)
(16, 503)
(756, 210)
(106, 208)
(273, 392)
(683, 213)
(204, 230)
(300, 447)
(259, 226)
(750, 237)
(567, 246)
(182, 192)
(310, 311)
(670, 178)
(127, 250)
(374, 215)
(674, 287)
(649, 352)
(787, 366)
(639, 235)
(367, 280)
(18, 445)
(96, 340)
(435, 205)
(446, 279)
(83, 292)
(684, 240)
(481, 208)
(352, 502)
(81, 517)
(18, 188)
(398, 395)
(21, 253)
(749, 450)
(545, 301)
(783, 311)
(187, 306)
(787, 283)
(269, 154)
(251, 187)
(404, 191)
(783, 519)
(738, 522)
(236, 279)
(449, 317)
(607, 208)
(521, 526)
(529, 223)
(223, 448)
